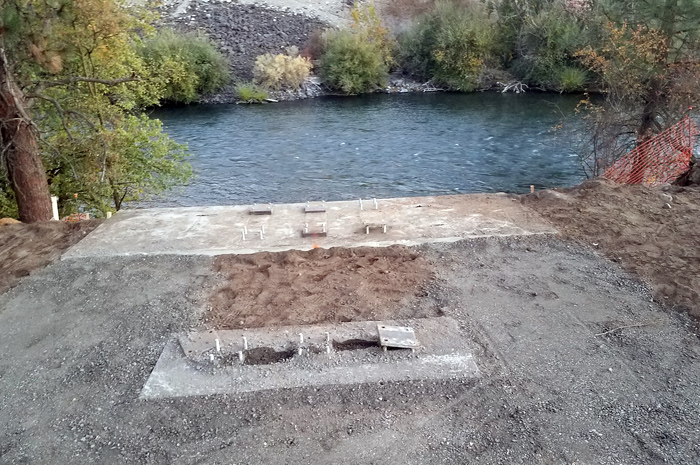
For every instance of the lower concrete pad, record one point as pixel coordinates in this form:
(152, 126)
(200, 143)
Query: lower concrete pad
(234, 230)
(206, 363)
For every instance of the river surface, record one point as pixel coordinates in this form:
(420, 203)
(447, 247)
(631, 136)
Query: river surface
(379, 146)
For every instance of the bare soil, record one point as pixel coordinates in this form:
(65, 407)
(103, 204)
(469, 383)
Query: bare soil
(560, 384)
(652, 232)
(317, 286)
(25, 248)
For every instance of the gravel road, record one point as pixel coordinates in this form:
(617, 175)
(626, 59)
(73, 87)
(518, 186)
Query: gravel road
(578, 365)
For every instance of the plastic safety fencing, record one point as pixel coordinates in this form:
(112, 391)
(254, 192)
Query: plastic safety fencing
(659, 160)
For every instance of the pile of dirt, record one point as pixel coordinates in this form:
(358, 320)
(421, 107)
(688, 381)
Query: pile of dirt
(317, 286)
(25, 248)
(652, 232)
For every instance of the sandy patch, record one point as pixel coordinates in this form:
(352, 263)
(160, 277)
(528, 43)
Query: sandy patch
(335, 285)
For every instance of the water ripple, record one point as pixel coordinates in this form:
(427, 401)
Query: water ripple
(375, 146)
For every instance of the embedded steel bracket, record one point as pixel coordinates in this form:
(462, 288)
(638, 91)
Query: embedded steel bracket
(369, 226)
(261, 209)
(401, 337)
(315, 208)
(314, 231)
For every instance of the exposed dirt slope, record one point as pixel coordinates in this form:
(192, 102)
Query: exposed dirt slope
(653, 232)
(25, 248)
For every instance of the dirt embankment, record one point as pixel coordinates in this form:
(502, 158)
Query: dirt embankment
(25, 248)
(652, 232)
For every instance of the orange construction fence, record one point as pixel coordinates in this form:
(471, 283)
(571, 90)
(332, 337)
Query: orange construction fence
(658, 160)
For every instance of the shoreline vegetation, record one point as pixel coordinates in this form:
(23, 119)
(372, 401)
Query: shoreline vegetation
(405, 46)
(76, 77)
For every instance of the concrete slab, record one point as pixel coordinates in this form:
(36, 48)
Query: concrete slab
(220, 230)
(206, 363)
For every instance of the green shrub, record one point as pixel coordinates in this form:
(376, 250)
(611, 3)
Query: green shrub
(352, 64)
(367, 23)
(250, 93)
(282, 70)
(543, 39)
(189, 63)
(572, 79)
(450, 45)
(8, 205)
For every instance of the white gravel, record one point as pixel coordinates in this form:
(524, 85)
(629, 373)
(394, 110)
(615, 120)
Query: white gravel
(334, 12)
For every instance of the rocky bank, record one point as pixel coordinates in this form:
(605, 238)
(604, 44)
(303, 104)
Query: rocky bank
(244, 31)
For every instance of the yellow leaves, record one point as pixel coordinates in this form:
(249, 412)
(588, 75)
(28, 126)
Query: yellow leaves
(628, 57)
(367, 22)
(277, 71)
(48, 59)
(54, 63)
(102, 51)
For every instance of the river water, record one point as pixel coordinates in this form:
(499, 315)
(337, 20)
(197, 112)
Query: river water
(379, 146)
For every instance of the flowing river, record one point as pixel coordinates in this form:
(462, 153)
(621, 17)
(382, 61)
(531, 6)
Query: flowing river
(379, 146)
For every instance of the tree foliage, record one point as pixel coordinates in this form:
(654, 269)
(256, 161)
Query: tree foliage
(282, 70)
(541, 38)
(648, 63)
(189, 64)
(352, 64)
(358, 60)
(84, 84)
(450, 45)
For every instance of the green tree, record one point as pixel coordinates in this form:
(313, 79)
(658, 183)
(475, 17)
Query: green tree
(540, 38)
(450, 45)
(72, 86)
(352, 64)
(649, 66)
(189, 64)
(359, 59)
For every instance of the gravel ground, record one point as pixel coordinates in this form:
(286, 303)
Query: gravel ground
(579, 366)
(651, 231)
(26, 248)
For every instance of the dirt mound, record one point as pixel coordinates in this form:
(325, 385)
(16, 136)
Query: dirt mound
(28, 247)
(317, 286)
(653, 232)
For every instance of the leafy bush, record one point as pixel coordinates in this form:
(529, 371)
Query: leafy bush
(367, 24)
(543, 39)
(353, 64)
(282, 70)
(250, 93)
(450, 45)
(190, 65)
(572, 79)
(8, 205)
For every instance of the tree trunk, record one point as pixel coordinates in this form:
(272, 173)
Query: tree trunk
(648, 127)
(20, 151)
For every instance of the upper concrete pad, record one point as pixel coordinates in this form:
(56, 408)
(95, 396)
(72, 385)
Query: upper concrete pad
(220, 230)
